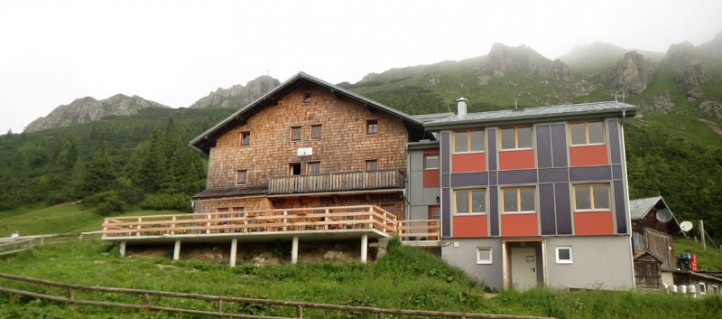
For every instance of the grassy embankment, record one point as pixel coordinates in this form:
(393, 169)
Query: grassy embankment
(405, 278)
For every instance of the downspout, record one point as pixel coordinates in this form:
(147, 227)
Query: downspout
(625, 182)
(407, 209)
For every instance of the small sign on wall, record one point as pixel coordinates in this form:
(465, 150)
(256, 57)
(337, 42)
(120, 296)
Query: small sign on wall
(305, 151)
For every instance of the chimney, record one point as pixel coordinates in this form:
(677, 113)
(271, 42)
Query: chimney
(461, 107)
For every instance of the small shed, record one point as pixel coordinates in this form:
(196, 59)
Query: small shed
(647, 272)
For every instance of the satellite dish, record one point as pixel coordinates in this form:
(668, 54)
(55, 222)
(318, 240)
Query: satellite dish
(664, 215)
(685, 226)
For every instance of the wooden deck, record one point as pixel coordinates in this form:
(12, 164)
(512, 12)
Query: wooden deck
(319, 223)
(337, 182)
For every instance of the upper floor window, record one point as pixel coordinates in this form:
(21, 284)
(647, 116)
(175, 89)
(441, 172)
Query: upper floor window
(372, 127)
(470, 201)
(316, 132)
(515, 137)
(294, 169)
(241, 177)
(590, 132)
(591, 197)
(313, 168)
(371, 165)
(468, 141)
(245, 138)
(431, 161)
(307, 97)
(295, 133)
(519, 199)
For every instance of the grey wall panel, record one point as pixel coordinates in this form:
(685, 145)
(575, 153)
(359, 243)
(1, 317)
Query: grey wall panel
(563, 208)
(543, 146)
(445, 152)
(617, 172)
(599, 262)
(491, 148)
(517, 177)
(416, 160)
(546, 209)
(559, 145)
(590, 173)
(469, 179)
(551, 175)
(493, 211)
(619, 206)
(463, 255)
(445, 213)
(614, 141)
(416, 187)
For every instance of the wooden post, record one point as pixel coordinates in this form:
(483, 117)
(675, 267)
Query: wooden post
(299, 312)
(234, 248)
(701, 231)
(176, 250)
(364, 248)
(294, 250)
(122, 249)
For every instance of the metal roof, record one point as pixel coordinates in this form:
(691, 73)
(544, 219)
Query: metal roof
(206, 140)
(537, 114)
(640, 207)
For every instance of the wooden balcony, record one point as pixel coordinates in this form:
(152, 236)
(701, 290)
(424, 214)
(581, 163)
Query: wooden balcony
(337, 182)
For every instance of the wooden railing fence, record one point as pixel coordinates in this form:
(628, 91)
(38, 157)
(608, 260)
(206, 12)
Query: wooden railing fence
(420, 229)
(333, 182)
(11, 245)
(216, 306)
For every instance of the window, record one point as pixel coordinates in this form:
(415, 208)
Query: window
(371, 165)
(519, 199)
(591, 197)
(564, 255)
(237, 212)
(245, 138)
(316, 132)
(307, 97)
(294, 169)
(313, 168)
(483, 256)
(372, 127)
(702, 288)
(296, 133)
(515, 138)
(468, 141)
(587, 133)
(241, 177)
(470, 201)
(431, 161)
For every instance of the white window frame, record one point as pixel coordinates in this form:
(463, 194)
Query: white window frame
(564, 261)
(480, 261)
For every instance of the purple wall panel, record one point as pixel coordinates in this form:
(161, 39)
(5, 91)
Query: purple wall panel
(559, 145)
(614, 141)
(550, 175)
(445, 213)
(543, 146)
(563, 209)
(546, 209)
(445, 152)
(620, 208)
(491, 145)
(590, 173)
(617, 172)
(445, 180)
(493, 211)
(493, 178)
(517, 177)
(469, 179)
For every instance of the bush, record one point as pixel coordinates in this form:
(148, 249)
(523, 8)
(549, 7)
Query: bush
(104, 203)
(177, 202)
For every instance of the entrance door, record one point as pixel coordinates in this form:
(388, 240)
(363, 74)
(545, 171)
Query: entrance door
(523, 267)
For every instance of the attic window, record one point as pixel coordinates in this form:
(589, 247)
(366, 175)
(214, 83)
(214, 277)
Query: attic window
(372, 127)
(245, 138)
(307, 97)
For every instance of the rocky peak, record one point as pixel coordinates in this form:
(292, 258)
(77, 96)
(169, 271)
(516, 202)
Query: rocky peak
(88, 109)
(238, 95)
(686, 59)
(632, 73)
(503, 60)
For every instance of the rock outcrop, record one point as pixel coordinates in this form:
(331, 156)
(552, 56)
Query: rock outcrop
(88, 109)
(631, 74)
(238, 95)
(503, 60)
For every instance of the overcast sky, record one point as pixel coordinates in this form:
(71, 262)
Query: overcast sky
(175, 52)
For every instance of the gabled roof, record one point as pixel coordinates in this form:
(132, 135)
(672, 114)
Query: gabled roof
(536, 114)
(638, 208)
(205, 141)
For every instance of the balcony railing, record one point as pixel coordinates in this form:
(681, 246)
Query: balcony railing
(420, 229)
(335, 182)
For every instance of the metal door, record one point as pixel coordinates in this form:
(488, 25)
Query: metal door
(523, 267)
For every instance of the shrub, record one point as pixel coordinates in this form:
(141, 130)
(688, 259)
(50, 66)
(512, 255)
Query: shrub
(177, 202)
(104, 203)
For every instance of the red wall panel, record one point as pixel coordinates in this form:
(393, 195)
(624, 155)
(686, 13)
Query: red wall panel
(431, 178)
(470, 226)
(516, 225)
(588, 155)
(521, 159)
(593, 223)
(471, 162)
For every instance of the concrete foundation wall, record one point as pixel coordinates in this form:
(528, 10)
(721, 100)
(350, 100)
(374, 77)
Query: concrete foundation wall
(464, 257)
(601, 262)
